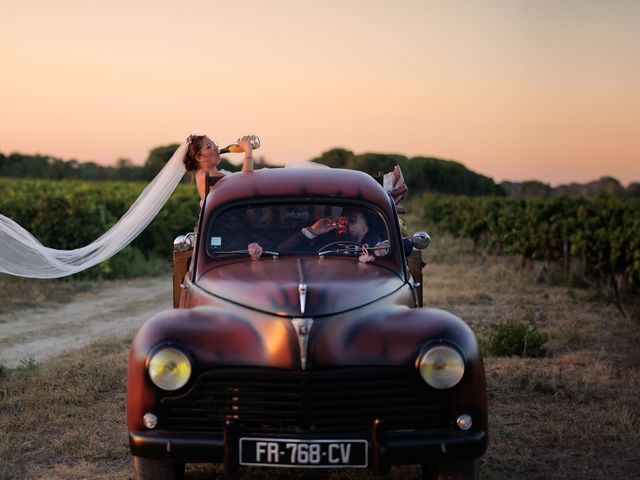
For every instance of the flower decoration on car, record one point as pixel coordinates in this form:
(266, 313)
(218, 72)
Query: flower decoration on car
(255, 251)
(365, 256)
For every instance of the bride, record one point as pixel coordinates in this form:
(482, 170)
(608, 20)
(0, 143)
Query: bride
(203, 156)
(21, 254)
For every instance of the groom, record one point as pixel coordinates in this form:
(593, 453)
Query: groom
(352, 226)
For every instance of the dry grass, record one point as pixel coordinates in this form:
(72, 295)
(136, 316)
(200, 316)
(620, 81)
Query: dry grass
(66, 418)
(17, 293)
(572, 415)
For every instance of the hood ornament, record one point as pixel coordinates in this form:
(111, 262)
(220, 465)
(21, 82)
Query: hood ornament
(302, 327)
(302, 288)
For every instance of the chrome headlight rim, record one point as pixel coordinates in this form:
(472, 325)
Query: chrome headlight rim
(181, 349)
(441, 343)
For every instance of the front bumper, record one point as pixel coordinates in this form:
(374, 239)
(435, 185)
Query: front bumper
(385, 448)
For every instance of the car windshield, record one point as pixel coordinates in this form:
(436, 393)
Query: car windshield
(298, 228)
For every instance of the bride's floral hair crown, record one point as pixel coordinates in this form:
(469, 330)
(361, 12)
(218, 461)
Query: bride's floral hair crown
(193, 147)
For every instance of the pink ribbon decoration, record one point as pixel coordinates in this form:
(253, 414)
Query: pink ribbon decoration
(255, 251)
(365, 256)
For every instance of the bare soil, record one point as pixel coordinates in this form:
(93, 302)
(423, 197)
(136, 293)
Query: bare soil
(573, 414)
(111, 309)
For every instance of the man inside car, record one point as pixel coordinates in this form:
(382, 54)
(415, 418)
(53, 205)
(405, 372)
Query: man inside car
(351, 227)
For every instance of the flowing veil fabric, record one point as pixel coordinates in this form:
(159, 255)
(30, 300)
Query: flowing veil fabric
(21, 254)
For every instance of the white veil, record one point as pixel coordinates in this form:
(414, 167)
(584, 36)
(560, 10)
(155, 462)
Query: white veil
(22, 255)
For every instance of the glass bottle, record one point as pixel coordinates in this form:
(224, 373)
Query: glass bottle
(254, 141)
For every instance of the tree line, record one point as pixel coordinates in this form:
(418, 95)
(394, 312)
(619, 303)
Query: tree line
(420, 173)
(19, 165)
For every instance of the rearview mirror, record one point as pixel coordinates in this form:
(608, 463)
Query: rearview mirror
(182, 243)
(420, 240)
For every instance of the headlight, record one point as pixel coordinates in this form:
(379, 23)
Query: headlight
(441, 367)
(169, 369)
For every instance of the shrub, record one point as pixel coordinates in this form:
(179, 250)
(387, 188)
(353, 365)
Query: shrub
(128, 263)
(506, 339)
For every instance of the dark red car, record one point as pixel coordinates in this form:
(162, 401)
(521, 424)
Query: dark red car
(300, 346)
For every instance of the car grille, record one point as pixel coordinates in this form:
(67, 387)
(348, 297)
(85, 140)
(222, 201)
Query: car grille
(326, 401)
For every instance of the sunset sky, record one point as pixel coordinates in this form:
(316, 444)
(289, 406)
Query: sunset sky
(514, 89)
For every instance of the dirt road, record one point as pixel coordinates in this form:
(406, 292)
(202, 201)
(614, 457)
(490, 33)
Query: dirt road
(112, 309)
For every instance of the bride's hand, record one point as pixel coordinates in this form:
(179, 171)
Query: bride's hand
(245, 144)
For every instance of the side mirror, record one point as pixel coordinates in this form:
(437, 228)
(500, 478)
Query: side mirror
(183, 243)
(420, 240)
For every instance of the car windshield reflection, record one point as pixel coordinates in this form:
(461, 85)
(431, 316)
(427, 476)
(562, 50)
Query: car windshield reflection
(298, 228)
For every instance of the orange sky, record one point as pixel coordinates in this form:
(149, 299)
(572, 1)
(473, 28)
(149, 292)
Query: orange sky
(513, 89)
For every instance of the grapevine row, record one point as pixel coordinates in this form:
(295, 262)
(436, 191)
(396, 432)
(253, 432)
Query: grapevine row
(72, 214)
(602, 232)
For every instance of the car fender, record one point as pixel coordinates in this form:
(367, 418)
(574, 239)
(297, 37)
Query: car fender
(210, 336)
(390, 335)
(395, 335)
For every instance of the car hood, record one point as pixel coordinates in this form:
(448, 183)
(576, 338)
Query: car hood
(333, 284)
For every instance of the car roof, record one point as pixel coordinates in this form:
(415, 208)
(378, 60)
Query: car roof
(298, 182)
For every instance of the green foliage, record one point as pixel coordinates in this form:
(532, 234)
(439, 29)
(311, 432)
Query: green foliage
(27, 365)
(158, 158)
(421, 174)
(227, 165)
(523, 340)
(535, 188)
(445, 176)
(603, 232)
(18, 165)
(376, 163)
(130, 262)
(71, 214)
(336, 158)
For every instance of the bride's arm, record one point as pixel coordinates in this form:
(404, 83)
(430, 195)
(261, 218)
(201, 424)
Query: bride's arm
(245, 144)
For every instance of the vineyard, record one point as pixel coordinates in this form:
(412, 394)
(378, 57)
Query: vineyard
(72, 214)
(588, 366)
(594, 239)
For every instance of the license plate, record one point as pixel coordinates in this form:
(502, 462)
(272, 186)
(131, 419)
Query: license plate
(279, 452)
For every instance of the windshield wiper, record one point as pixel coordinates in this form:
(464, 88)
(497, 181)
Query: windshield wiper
(353, 249)
(346, 251)
(245, 252)
(341, 246)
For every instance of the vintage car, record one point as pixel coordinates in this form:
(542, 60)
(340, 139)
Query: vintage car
(293, 350)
